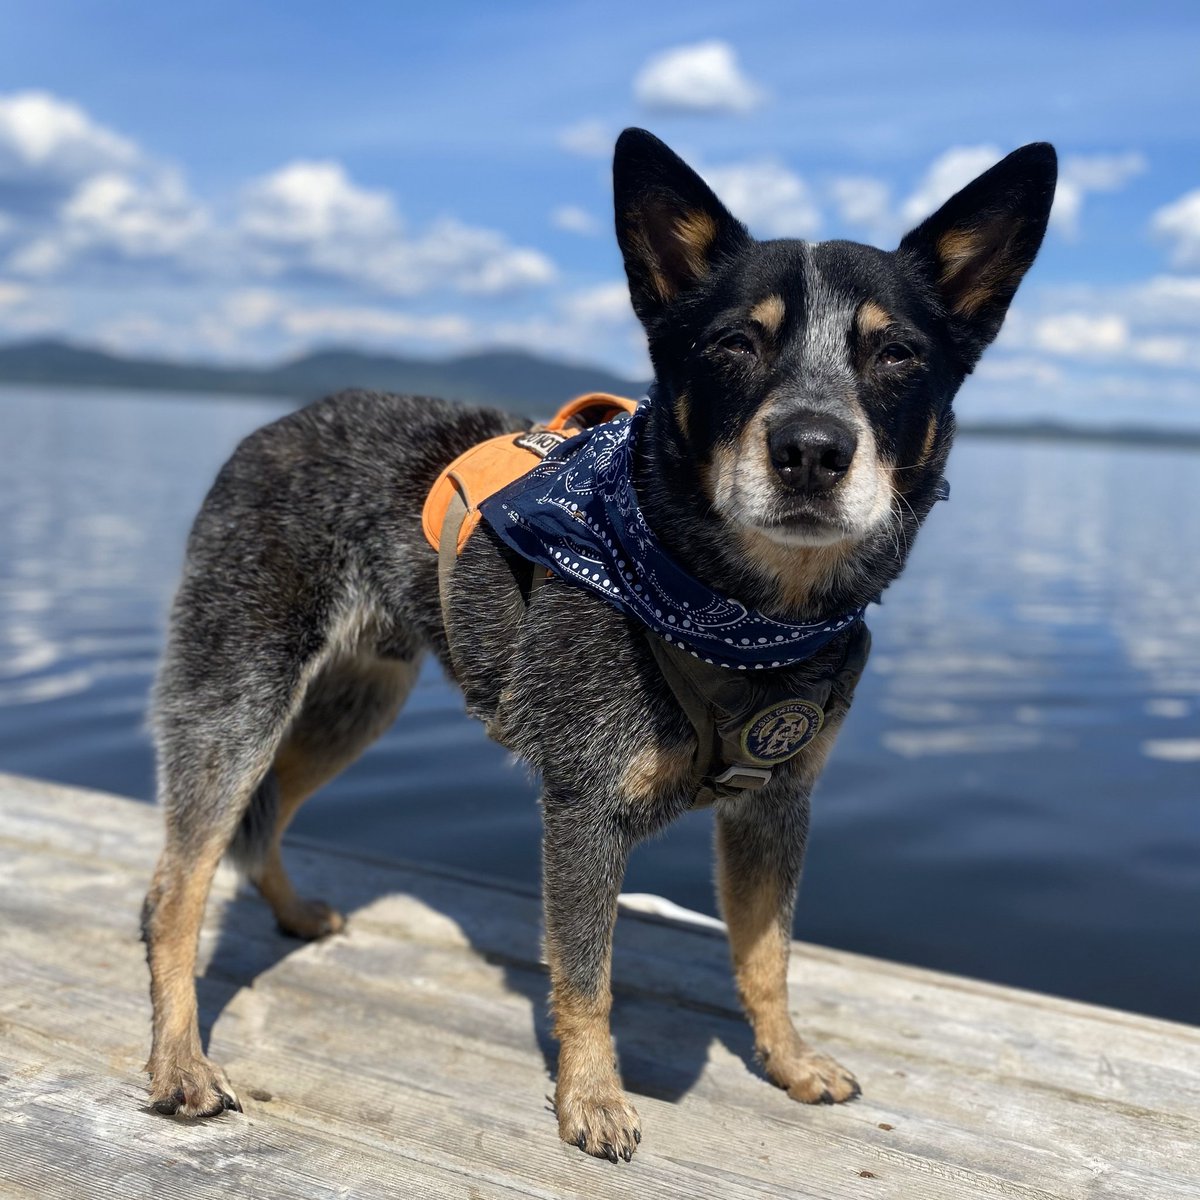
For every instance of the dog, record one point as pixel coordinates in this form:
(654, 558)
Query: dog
(795, 443)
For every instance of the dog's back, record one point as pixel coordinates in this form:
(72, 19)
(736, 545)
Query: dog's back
(323, 508)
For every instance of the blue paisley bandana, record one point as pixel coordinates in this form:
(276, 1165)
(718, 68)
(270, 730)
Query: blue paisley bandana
(577, 513)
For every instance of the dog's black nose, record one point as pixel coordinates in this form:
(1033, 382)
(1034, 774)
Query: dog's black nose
(811, 452)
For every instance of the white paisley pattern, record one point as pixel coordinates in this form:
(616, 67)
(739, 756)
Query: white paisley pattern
(577, 513)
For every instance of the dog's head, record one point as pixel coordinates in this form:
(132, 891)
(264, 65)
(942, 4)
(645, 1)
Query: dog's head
(809, 384)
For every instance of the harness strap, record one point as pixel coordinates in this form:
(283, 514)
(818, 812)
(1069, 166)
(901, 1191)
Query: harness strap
(746, 725)
(458, 513)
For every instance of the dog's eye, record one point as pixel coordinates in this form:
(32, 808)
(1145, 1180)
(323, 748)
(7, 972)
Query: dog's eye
(895, 353)
(737, 343)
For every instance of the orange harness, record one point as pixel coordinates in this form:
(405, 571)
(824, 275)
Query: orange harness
(484, 469)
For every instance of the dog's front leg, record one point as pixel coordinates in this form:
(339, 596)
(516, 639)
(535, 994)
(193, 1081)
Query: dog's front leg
(760, 849)
(584, 851)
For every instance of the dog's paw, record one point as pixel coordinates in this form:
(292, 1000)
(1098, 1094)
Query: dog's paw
(309, 919)
(809, 1076)
(195, 1088)
(603, 1124)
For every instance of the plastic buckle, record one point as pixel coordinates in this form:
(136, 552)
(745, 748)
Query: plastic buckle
(744, 778)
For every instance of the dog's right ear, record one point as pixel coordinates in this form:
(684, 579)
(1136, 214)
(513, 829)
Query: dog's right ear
(976, 248)
(671, 228)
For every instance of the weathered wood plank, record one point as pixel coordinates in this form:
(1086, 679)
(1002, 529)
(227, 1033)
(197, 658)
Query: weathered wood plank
(407, 1057)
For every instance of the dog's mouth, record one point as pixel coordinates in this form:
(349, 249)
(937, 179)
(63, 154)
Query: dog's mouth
(804, 527)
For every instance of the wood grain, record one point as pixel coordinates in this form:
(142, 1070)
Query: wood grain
(410, 1056)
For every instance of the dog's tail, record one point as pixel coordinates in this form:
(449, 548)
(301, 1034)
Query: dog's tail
(254, 835)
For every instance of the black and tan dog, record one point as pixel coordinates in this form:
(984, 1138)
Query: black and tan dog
(797, 441)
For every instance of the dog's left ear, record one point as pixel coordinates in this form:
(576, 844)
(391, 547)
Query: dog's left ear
(671, 228)
(977, 247)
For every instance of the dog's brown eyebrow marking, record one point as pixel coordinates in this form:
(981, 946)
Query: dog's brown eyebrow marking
(872, 318)
(769, 313)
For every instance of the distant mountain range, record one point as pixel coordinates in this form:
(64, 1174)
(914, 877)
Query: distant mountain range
(521, 382)
(511, 379)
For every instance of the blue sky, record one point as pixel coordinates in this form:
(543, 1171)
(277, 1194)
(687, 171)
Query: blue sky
(246, 181)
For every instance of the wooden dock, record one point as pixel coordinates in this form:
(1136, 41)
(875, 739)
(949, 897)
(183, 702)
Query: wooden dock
(410, 1057)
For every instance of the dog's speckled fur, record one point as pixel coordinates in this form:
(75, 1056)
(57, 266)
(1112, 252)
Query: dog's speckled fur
(309, 595)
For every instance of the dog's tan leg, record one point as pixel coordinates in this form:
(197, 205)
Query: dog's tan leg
(583, 866)
(760, 850)
(183, 1080)
(298, 916)
(347, 706)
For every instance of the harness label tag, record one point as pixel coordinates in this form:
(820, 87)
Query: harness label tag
(540, 441)
(781, 731)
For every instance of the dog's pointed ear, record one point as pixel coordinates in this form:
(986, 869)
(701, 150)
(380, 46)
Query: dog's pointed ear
(671, 228)
(977, 247)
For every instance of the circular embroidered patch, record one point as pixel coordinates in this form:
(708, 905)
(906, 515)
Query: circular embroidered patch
(781, 731)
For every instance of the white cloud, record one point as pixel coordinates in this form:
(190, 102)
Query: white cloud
(48, 143)
(25, 312)
(604, 304)
(256, 323)
(1161, 303)
(701, 78)
(1019, 370)
(12, 294)
(769, 197)
(1080, 174)
(478, 261)
(309, 219)
(1081, 334)
(105, 207)
(1101, 337)
(864, 202)
(1179, 224)
(948, 173)
(580, 323)
(591, 324)
(312, 202)
(374, 324)
(137, 333)
(1169, 298)
(573, 219)
(117, 217)
(1165, 351)
(588, 139)
(252, 308)
(76, 192)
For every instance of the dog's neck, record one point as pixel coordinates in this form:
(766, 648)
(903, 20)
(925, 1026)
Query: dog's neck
(807, 583)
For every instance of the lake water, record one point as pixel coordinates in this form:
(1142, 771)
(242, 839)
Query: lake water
(1016, 795)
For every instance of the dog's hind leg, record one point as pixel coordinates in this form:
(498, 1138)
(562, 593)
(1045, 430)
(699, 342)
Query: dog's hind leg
(206, 785)
(230, 685)
(760, 850)
(348, 704)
